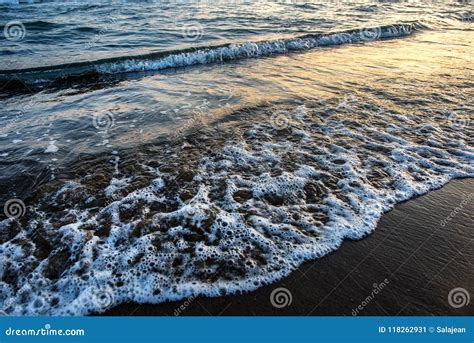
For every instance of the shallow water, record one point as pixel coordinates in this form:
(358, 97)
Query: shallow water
(152, 178)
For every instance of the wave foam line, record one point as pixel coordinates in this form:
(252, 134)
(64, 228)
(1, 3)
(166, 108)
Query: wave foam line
(257, 49)
(206, 55)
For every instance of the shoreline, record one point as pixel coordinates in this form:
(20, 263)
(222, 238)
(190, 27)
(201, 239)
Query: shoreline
(420, 251)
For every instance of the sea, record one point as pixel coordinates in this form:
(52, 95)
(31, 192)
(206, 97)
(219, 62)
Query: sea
(153, 151)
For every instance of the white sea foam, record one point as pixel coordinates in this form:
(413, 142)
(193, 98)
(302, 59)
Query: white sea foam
(259, 207)
(51, 148)
(253, 49)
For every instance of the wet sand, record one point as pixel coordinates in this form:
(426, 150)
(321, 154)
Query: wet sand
(420, 251)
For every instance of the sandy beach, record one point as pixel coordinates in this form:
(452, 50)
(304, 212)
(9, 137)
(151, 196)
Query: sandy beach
(420, 251)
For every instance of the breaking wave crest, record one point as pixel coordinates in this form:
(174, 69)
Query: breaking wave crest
(204, 55)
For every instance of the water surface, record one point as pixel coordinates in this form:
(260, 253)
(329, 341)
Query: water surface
(152, 151)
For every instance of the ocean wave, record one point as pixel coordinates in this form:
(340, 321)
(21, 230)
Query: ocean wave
(204, 55)
(289, 186)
